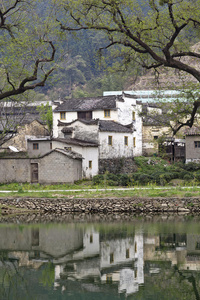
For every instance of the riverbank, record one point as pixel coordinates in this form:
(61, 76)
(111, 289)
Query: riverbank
(158, 205)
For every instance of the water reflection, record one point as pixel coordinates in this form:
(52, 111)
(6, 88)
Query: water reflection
(98, 262)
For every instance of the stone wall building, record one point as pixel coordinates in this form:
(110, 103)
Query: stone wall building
(56, 166)
(192, 144)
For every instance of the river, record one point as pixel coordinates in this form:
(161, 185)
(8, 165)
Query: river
(137, 258)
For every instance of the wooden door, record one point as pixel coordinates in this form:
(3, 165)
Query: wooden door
(34, 172)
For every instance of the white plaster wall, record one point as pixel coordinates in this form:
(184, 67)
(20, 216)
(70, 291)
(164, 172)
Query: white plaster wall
(91, 247)
(125, 117)
(139, 255)
(85, 132)
(118, 149)
(99, 114)
(118, 249)
(70, 116)
(88, 153)
(125, 110)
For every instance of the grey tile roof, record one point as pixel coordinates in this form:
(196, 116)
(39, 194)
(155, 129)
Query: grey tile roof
(158, 120)
(114, 127)
(71, 154)
(15, 116)
(78, 142)
(87, 122)
(192, 131)
(88, 104)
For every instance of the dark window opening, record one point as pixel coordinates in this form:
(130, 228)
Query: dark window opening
(197, 144)
(85, 115)
(35, 146)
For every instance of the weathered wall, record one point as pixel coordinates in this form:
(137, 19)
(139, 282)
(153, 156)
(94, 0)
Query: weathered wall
(85, 132)
(192, 153)
(125, 116)
(149, 144)
(70, 116)
(58, 168)
(118, 148)
(23, 132)
(88, 154)
(44, 147)
(15, 170)
(54, 241)
(52, 168)
(99, 114)
(116, 166)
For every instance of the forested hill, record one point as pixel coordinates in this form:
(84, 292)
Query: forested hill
(81, 72)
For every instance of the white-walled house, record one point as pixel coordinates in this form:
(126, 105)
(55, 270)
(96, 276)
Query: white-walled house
(101, 140)
(88, 150)
(113, 122)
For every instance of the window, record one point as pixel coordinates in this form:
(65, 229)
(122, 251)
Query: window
(85, 115)
(107, 113)
(135, 273)
(110, 140)
(133, 115)
(91, 238)
(197, 144)
(155, 137)
(135, 247)
(51, 146)
(126, 141)
(111, 258)
(62, 116)
(35, 146)
(109, 278)
(127, 253)
(134, 142)
(90, 164)
(68, 148)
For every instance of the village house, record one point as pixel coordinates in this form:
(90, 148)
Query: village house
(19, 125)
(56, 166)
(113, 123)
(192, 143)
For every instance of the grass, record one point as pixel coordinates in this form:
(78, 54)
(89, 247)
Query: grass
(89, 191)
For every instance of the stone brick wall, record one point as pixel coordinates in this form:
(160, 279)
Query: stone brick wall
(52, 168)
(58, 168)
(192, 153)
(14, 170)
(117, 165)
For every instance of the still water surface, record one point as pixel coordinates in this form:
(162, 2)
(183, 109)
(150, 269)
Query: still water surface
(135, 259)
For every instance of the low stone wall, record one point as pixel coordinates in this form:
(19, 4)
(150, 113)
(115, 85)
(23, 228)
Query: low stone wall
(110, 205)
(117, 165)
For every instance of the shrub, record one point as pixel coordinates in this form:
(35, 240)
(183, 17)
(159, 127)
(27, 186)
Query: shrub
(112, 183)
(191, 166)
(124, 180)
(97, 179)
(188, 177)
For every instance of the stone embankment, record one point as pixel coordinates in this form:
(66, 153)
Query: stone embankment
(110, 205)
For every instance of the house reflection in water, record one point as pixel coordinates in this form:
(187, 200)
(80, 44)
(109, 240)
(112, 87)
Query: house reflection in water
(86, 254)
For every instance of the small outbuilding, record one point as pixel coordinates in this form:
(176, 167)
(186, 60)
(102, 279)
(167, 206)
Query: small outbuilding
(192, 140)
(56, 166)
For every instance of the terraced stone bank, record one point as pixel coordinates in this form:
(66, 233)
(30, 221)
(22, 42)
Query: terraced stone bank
(109, 205)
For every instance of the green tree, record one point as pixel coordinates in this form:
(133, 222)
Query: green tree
(155, 34)
(46, 116)
(27, 48)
